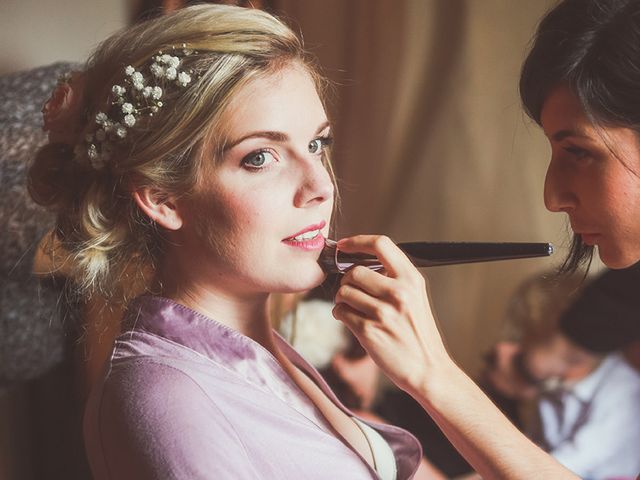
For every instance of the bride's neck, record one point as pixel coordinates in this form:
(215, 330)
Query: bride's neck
(246, 313)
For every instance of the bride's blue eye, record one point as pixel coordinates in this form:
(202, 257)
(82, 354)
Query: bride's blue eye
(318, 144)
(258, 160)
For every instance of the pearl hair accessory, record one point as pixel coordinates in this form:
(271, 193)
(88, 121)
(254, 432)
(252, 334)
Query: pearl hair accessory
(136, 97)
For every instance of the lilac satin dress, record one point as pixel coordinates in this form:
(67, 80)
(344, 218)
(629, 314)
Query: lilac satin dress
(185, 397)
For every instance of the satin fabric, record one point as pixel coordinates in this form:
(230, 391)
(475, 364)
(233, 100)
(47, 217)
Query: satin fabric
(184, 396)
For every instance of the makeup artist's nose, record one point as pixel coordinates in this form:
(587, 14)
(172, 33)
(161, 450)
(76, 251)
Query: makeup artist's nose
(316, 185)
(559, 196)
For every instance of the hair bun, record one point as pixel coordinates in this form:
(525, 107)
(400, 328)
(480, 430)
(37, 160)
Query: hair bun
(55, 179)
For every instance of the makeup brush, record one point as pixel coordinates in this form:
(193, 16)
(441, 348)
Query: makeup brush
(432, 254)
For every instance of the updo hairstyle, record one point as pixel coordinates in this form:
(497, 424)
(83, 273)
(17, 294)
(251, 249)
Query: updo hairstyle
(110, 242)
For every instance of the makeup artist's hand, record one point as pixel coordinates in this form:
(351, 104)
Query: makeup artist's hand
(390, 314)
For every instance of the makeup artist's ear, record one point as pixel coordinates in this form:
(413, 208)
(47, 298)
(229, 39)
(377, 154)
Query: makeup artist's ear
(158, 206)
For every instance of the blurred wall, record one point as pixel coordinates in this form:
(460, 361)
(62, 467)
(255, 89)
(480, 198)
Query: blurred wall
(432, 143)
(39, 32)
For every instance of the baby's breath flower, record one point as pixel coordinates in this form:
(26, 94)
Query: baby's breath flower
(121, 132)
(101, 118)
(129, 102)
(157, 70)
(170, 73)
(129, 120)
(184, 79)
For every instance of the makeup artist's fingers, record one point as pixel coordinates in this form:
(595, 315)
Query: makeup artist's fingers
(353, 319)
(362, 302)
(385, 290)
(393, 259)
(390, 314)
(377, 284)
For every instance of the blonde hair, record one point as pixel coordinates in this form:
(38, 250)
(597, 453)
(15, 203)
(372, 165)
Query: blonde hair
(110, 241)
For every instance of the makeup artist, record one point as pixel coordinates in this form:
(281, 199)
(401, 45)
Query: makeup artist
(581, 84)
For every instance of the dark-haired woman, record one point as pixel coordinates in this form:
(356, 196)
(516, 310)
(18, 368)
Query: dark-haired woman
(581, 84)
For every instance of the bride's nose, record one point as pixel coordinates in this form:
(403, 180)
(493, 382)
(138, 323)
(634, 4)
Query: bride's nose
(316, 185)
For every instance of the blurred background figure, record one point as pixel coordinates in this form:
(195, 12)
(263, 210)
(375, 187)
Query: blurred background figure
(587, 392)
(563, 372)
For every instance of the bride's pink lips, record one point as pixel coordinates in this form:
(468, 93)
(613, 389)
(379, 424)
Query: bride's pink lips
(315, 243)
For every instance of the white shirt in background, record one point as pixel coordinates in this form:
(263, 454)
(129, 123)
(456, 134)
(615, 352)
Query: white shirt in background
(594, 428)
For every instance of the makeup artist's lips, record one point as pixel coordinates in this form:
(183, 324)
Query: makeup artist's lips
(589, 238)
(309, 238)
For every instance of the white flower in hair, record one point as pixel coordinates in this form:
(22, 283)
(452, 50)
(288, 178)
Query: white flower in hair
(183, 79)
(131, 100)
(121, 131)
(157, 70)
(101, 118)
(129, 120)
(170, 73)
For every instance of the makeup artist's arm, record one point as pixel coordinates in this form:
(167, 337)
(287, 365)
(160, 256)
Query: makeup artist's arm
(391, 316)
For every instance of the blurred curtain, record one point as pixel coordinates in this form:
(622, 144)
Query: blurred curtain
(431, 141)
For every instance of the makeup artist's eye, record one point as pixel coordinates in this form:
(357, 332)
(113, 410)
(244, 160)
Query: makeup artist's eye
(318, 144)
(577, 152)
(258, 160)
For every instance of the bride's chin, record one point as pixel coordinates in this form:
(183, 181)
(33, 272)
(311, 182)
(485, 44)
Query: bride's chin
(307, 281)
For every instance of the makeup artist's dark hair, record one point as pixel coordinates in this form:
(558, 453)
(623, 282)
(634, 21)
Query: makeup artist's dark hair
(593, 46)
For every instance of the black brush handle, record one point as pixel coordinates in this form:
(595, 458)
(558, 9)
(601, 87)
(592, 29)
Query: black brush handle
(424, 254)
(432, 254)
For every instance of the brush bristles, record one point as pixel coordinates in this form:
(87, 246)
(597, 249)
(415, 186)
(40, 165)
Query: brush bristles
(327, 259)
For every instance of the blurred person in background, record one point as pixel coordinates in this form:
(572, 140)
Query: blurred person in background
(573, 366)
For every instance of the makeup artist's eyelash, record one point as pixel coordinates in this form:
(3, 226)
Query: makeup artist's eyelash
(578, 152)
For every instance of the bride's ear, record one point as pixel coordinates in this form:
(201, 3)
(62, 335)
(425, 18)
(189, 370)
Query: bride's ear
(159, 207)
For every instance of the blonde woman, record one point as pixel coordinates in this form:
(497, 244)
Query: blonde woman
(190, 156)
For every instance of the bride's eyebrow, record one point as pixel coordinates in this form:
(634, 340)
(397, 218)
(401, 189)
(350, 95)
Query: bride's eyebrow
(269, 135)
